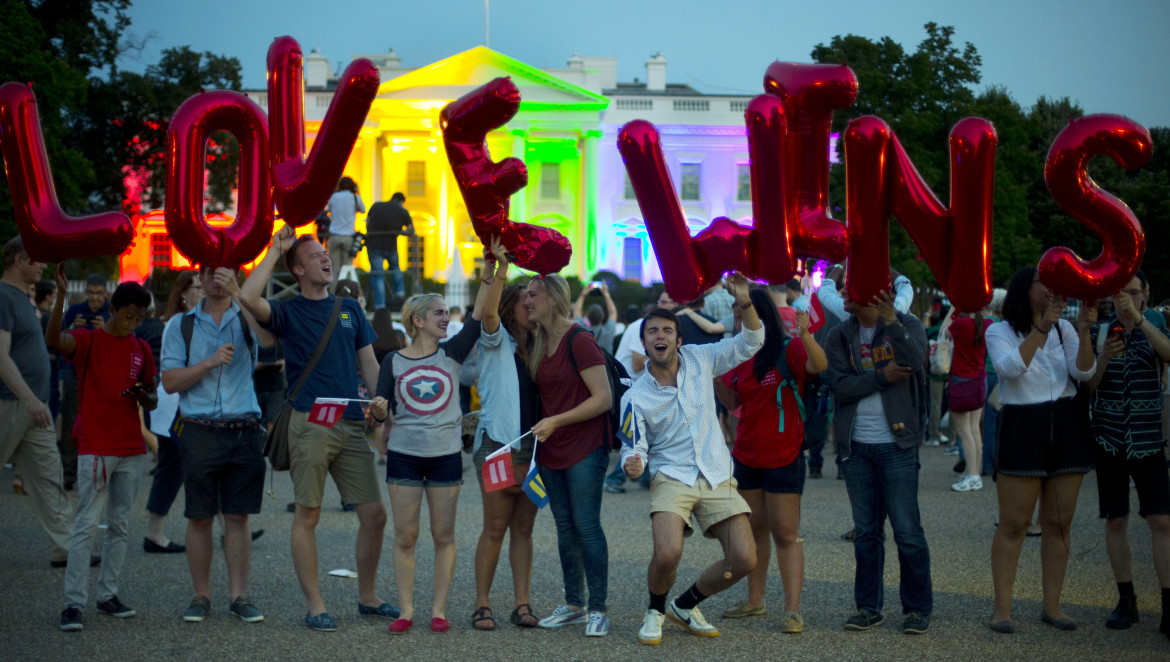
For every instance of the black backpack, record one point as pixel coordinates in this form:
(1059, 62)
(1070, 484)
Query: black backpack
(619, 383)
(187, 327)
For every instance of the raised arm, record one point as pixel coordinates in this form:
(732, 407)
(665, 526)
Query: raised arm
(227, 279)
(704, 324)
(487, 300)
(817, 361)
(252, 293)
(64, 343)
(610, 308)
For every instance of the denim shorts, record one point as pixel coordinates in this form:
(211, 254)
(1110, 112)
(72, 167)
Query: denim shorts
(788, 479)
(413, 471)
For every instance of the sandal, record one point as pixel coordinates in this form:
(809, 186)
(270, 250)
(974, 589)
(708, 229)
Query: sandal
(526, 620)
(482, 619)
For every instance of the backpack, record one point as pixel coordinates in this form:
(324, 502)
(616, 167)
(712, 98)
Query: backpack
(619, 383)
(187, 327)
(807, 399)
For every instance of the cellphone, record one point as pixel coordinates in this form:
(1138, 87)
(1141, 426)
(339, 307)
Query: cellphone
(596, 284)
(1117, 331)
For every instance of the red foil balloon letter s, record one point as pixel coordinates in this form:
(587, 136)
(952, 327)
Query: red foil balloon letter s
(1123, 243)
(301, 187)
(486, 185)
(49, 234)
(199, 117)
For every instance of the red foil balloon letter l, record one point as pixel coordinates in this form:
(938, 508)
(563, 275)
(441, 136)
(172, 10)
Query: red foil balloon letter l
(49, 234)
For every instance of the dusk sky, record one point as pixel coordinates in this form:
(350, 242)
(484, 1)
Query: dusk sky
(1110, 57)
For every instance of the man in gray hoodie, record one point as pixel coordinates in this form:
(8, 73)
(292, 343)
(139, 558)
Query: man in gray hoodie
(875, 373)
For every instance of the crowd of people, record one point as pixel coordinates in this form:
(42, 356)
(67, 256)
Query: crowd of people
(725, 408)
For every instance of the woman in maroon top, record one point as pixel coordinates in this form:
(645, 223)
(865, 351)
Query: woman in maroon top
(573, 453)
(968, 392)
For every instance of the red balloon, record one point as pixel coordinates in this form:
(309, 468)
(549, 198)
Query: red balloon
(881, 182)
(199, 117)
(810, 93)
(773, 207)
(301, 187)
(49, 234)
(486, 185)
(1123, 243)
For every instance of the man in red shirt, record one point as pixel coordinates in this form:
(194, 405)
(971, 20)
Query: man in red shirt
(116, 374)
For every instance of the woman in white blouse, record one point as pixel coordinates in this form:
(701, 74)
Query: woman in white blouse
(1042, 445)
(344, 206)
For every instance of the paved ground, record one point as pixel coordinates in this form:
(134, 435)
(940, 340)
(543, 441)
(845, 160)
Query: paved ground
(958, 526)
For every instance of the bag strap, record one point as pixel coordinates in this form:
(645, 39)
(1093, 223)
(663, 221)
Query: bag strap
(787, 379)
(321, 344)
(187, 327)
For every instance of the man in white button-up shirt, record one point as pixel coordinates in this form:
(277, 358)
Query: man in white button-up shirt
(670, 424)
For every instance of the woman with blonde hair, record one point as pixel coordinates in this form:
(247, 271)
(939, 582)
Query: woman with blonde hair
(569, 370)
(423, 430)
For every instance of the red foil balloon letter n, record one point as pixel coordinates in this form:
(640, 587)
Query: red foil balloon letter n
(199, 117)
(49, 234)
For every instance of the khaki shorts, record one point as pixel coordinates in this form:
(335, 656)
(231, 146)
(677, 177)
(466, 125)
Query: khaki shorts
(341, 451)
(709, 506)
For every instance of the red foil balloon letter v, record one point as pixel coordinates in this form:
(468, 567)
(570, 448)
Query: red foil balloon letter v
(1122, 243)
(486, 185)
(301, 187)
(49, 234)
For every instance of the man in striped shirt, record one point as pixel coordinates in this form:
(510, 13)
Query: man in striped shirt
(1127, 422)
(671, 427)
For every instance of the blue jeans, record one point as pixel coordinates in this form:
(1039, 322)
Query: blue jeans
(378, 280)
(990, 421)
(574, 495)
(884, 477)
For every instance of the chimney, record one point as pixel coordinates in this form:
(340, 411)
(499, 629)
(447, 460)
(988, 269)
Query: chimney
(656, 73)
(576, 62)
(392, 60)
(317, 71)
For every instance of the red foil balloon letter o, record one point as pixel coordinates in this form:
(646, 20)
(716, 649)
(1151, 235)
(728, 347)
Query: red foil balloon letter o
(199, 117)
(49, 234)
(1123, 244)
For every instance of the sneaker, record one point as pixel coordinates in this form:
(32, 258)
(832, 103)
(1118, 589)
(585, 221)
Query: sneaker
(115, 608)
(943, 438)
(968, 484)
(247, 612)
(864, 620)
(1125, 615)
(916, 623)
(322, 622)
(742, 609)
(815, 473)
(930, 442)
(849, 535)
(952, 449)
(691, 619)
(71, 620)
(792, 623)
(598, 625)
(562, 615)
(651, 632)
(615, 488)
(198, 610)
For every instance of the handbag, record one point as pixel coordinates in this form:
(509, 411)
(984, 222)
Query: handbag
(276, 446)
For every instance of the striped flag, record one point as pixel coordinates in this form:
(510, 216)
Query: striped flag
(498, 472)
(328, 411)
(816, 314)
(534, 487)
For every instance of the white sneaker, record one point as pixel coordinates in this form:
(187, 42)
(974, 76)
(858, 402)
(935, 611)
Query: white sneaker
(943, 438)
(562, 615)
(651, 632)
(598, 625)
(968, 484)
(930, 442)
(692, 620)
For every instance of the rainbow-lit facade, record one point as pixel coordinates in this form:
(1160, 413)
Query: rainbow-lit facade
(566, 133)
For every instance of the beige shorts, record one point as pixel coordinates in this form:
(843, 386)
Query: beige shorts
(340, 451)
(709, 506)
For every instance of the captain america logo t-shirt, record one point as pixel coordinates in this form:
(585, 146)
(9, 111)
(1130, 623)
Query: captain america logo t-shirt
(425, 389)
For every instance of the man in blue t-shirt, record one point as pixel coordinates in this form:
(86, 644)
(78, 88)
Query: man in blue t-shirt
(342, 450)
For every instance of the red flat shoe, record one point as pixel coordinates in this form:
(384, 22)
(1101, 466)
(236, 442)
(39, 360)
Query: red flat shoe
(440, 624)
(400, 626)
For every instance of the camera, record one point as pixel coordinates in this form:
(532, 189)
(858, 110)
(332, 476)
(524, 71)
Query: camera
(359, 241)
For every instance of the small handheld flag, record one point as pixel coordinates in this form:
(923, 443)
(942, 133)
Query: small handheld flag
(533, 486)
(498, 472)
(328, 411)
(816, 314)
(628, 433)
